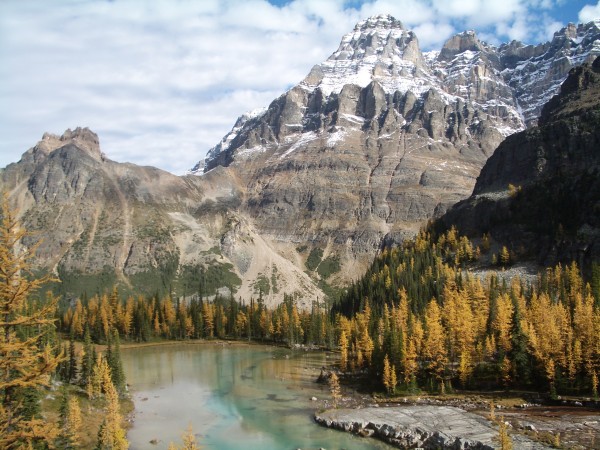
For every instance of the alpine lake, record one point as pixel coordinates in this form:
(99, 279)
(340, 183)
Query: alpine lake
(234, 396)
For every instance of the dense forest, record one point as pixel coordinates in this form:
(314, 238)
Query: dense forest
(86, 387)
(31, 358)
(144, 319)
(419, 317)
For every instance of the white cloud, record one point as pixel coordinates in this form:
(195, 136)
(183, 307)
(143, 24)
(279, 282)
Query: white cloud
(589, 13)
(162, 81)
(433, 35)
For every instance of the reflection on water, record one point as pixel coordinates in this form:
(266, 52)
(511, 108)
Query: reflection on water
(234, 396)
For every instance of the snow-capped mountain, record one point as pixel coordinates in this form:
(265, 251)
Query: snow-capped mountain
(375, 141)
(535, 72)
(381, 137)
(379, 48)
(508, 84)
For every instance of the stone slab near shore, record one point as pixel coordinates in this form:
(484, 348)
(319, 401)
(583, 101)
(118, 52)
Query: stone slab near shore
(426, 427)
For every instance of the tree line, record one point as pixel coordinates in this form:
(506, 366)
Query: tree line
(143, 319)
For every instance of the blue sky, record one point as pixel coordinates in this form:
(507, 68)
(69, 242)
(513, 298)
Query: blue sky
(162, 81)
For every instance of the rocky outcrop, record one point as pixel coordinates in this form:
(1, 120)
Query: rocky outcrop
(510, 83)
(539, 192)
(426, 427)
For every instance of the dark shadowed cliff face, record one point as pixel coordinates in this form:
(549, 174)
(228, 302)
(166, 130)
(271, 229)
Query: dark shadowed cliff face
(539, 193)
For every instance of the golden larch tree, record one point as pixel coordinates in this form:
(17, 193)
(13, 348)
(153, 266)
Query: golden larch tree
(343, 343)
(503, 438)
(434, 344)
(24, 362)
(72, 424)
(189, 441)
(387, 375)
(112, 436)
(334, 388)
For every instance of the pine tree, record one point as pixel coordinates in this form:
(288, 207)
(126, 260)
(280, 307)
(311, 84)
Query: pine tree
(115, 363)
(87, 357)
(393, 379)
(434, 348)
(25, 364)
(343, 343)
(387, 375)
(70, 423)
(189, 441)
(503, 438)
(101, 377)
(208, 319)
(504, 256)
(72, 375)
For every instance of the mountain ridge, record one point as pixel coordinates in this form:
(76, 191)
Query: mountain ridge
(359, 61)
(299, 196)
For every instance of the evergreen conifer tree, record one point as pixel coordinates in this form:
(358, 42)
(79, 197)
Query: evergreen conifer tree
(73, 369)
(87, 358)
(116, 364)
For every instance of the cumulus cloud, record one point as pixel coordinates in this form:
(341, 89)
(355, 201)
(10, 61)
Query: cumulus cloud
(589, 13)
(161, 82)
(433, 35)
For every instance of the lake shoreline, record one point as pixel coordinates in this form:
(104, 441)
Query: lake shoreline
(523, 416)
(530, 425)
(231, 393)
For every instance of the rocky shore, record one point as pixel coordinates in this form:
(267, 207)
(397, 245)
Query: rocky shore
(421, 426)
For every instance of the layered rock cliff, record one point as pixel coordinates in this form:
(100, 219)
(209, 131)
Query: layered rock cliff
(381, 137)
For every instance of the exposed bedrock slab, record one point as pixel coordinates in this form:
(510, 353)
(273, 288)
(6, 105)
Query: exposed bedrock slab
(427, 427)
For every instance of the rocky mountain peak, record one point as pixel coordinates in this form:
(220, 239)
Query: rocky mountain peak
(569, 31)
(379, 48)
(377, 37)
(503, 89)
(82, 137)
(379, 21)
(379, 137)
(85, 139)
(459, 43)
(535, 72)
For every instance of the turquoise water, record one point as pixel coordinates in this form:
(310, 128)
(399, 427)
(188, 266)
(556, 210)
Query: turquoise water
(234, 396)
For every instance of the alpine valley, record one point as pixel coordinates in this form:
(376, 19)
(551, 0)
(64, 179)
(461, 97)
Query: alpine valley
(297, 198)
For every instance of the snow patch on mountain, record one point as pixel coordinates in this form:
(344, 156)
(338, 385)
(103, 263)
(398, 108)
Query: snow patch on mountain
(302, 140)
